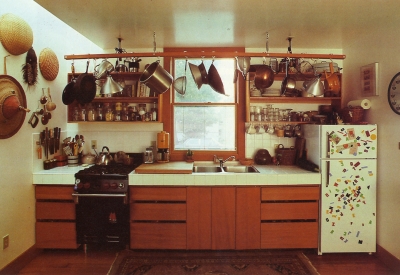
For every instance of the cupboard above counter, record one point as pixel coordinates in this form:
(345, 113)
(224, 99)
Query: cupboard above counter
(135, 103)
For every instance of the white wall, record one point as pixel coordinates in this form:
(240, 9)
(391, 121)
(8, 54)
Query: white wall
(380, 45)
(17, 200)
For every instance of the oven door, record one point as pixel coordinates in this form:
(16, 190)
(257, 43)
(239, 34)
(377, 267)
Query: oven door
(102, 218)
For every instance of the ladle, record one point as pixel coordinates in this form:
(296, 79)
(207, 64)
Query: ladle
(43, 98)
(50, 105)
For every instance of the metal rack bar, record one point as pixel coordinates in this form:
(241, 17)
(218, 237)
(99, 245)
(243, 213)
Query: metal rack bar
(203, 54)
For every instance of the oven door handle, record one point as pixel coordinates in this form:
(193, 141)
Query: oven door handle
(77, 195)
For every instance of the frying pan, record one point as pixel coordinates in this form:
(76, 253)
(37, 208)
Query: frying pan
(68, 95)
(85, 87)
(214, 80)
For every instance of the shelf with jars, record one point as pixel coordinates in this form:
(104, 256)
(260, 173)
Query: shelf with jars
(133, 104)
(261, 105)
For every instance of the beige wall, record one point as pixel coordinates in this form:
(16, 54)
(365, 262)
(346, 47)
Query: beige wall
(380, 45)
(17, 201)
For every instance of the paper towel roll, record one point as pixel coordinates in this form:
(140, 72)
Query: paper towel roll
(364, 103)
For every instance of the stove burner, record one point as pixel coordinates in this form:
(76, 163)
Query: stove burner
(114, 169)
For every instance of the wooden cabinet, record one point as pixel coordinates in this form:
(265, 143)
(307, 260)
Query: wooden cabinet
(131, 80)
(211, 218)
(289, 217)
(248, 226)
(223, 208)
(55, 217)
(158, 218)
(290, 101)
(198, 218)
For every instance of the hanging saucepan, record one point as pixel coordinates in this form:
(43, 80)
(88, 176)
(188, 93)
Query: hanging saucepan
(288, 84)
(214, 80)
(332, 83)
(156, 78)
(264, 77)
(85, 87)
(68, 95)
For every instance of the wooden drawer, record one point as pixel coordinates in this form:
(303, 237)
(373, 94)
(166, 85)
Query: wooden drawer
(45, 192)
(289, 235)
(55, 211)
(157, 194)
(158, 211)
(56, 235)
(286, 193)
(289, 211)
(158, 236)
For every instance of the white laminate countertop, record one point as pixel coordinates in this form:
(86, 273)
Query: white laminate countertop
(269, 175)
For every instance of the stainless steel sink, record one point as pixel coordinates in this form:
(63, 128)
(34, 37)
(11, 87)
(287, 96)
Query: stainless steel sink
(227, 169)
(240, 169)
(207, 169)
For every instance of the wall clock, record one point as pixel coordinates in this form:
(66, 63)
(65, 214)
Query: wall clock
(394, 94)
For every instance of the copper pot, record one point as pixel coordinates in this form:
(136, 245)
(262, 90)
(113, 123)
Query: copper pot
(264, 77)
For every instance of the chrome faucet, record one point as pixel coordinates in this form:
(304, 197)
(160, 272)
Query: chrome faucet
(221, 161)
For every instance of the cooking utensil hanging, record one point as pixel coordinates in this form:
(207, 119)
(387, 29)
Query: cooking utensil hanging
(180, 82)
(68, 95)
(214, 79)
(85, 87)
(288, 84)
(264, 76)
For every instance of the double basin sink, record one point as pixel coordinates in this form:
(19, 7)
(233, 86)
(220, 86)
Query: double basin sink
(225, 169)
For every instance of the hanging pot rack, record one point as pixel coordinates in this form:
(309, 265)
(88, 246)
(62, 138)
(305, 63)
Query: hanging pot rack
(203, 54)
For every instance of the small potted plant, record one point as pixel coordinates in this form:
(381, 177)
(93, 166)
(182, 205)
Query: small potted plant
(189, 155)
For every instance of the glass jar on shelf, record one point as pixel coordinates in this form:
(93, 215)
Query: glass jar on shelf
(99, 113)
(142, 111)
(83, 114)
(91, 113)
(76, 115)
(252, 113)
(109, 114)
(117, 113)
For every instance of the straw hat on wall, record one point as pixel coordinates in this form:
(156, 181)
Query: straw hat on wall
(48, 64)
(15, 34)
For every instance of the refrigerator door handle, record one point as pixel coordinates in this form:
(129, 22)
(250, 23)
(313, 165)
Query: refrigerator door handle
(328, 145)
(327, 173)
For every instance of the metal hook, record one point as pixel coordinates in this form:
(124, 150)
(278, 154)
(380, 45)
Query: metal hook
(154, 43)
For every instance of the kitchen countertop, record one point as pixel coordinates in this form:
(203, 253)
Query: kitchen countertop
(269, 175)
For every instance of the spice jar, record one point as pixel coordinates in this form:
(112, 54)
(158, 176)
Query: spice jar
(109, 114)
(142, 111)
(76, 115)
(99, 113)
(91, 113)
(118, 109)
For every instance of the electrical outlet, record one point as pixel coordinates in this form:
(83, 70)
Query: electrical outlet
(6, 241)
(94, 144)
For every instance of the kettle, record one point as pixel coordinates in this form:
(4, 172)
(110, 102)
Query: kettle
(104, 158)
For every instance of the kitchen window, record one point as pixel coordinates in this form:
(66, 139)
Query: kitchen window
(205, 120)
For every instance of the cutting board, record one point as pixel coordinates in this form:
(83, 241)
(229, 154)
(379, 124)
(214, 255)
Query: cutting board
(176, 167)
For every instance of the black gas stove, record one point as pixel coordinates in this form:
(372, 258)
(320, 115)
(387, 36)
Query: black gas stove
(105, 179)
(102, 203)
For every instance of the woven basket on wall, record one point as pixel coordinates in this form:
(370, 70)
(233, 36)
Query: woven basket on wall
(15, 34)
(48, 64)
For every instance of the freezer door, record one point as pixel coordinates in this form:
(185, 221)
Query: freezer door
(349, 141)
(348, 206)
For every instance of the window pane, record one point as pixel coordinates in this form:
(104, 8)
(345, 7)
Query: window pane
(205, 127)
(225, 68)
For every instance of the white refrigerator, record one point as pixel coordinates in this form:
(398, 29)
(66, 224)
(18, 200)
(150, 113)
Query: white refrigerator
(346, 155)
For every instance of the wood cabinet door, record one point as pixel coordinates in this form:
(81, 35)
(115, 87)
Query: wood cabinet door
(198, 218)
(223, 217)
(56, 235)
(248, 220)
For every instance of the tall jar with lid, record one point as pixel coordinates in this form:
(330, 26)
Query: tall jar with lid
(109, 113)
(142, 111)
(99, 113)
(118, 109)
(91, 113)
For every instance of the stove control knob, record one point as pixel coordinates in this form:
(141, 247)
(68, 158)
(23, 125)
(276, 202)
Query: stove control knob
(121, 185)
(86, 185)
(105, 185)
(113, 185)
(77, 181)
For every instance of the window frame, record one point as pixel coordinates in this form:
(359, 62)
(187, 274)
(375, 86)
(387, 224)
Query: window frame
(168, 110)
